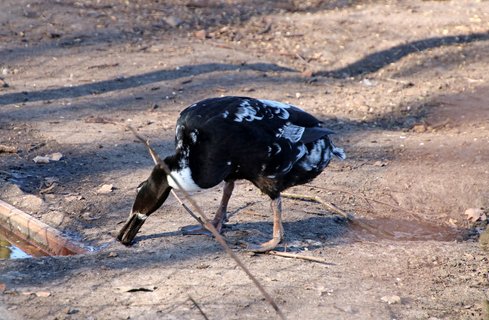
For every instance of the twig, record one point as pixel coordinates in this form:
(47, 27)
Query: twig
(36, 146)
(342, 213)
(298, 256)
(208, 225)
(7, 149)
(328, 205)
(366, 199)
(198, 307)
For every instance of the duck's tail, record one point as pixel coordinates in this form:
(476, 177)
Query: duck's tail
(339, 152)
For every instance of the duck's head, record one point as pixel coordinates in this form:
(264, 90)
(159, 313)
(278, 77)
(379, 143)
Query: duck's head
(151, 194)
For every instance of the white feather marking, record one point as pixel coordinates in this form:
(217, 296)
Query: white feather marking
(302, 151)
(184, 179)
(246, 112)
(292, 132)
(279, 108)
(278, 148)
(340, 153)
(316, 157)
(193, 136)
(225, 114)
(141, 216)
(179, 136)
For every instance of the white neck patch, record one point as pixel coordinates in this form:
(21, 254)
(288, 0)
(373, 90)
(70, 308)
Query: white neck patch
(184, 179)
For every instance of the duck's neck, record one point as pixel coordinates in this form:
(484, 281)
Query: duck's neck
(180, 173)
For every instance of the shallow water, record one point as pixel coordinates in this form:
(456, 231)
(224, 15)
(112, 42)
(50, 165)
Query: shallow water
(12, 247)
(403, 230)
(10, 251)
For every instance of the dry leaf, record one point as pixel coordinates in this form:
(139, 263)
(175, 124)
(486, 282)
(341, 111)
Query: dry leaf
(135, 289)
(41, 294)
(7, 149)
(106, 188)
(55, 156)
(475, 214)
(45, 159)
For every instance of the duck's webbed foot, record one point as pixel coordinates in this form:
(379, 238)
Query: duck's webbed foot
(278, 229)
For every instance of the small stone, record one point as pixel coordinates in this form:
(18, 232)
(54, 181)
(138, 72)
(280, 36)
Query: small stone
(307, 73)
(55, 156)
(113, 254)
(172, 21)
(380, 163)
(41, 159)
(201, 34)
(71, 310)
(419, 128)
(106, 188)
(391, 299)
(32, 202)
(475, 214)
(42, 294)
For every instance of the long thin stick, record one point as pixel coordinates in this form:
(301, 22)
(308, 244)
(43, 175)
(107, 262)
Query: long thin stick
(198, 307)
(298, 256)
(367, 199)
(342, 213)
(206, 223)
(328, 205)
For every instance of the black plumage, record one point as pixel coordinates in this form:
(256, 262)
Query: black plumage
(274, 145)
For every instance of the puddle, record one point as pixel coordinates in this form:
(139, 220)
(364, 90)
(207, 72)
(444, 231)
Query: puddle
(402, 230)
(10, 247)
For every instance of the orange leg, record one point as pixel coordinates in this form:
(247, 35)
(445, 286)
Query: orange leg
(278, 229)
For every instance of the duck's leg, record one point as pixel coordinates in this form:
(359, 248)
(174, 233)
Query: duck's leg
(278, 229)
(220, 216)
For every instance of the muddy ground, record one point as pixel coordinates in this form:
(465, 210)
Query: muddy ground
(404, 84)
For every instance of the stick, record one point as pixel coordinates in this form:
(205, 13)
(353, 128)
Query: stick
(413, 214)
(7, 149)
(344, 214)
(198, 307)
(297, 256)
(206, 223)
(328, 205)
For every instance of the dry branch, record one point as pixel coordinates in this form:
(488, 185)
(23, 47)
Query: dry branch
(198, 307)
(344, 214)
(298, 256)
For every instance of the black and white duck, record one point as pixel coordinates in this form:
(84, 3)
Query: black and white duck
(274, 145)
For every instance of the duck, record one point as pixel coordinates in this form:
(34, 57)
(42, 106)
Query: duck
(273, 145)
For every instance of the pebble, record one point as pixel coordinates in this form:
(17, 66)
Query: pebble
(201, 34)
(419, 128)
(391, 299)
(172, 21)
(105, 189)
(71, 310)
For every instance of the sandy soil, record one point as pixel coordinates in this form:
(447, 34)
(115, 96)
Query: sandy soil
(404, 84)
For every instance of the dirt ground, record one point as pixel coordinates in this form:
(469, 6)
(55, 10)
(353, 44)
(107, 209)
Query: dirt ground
(405, 85)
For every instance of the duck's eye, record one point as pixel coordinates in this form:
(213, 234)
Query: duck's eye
(140, 186)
